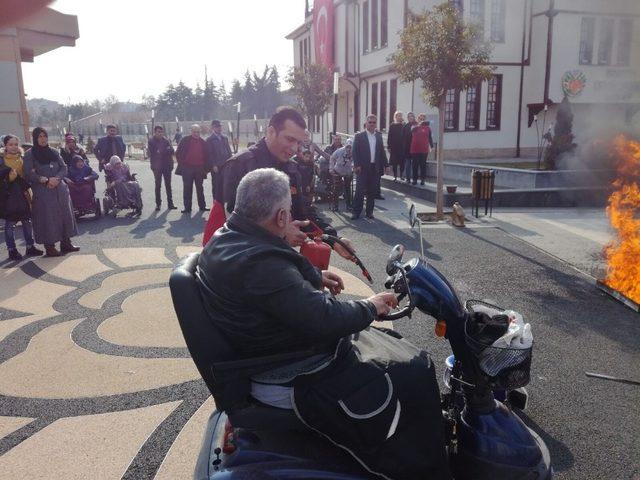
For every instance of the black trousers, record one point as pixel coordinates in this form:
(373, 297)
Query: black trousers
(367, 185)
(158, 175)
(419, 163)
(190, 176)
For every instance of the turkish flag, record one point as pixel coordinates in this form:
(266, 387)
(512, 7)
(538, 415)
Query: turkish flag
(216, 220)
(323, 31)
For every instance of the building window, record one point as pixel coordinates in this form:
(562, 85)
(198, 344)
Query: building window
(476, 14)
(587, 33)
(625, 35)
(393, 99)
(472, 110)
(365, 26)
(606, 41)
(498, 14)
(451, 109)
(384, 20)
(374, 99)
(494, 102)
(374, 24)
(383, 105)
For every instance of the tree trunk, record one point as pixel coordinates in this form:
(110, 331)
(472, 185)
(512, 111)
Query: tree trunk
(440, 161)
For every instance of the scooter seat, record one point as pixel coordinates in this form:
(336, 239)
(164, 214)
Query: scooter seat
(209, 349)
(263, 417)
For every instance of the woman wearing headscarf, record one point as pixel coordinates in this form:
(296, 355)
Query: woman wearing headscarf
(119, 178)
(52, 215)
(81, 182)
(70, 149)
(15, 198)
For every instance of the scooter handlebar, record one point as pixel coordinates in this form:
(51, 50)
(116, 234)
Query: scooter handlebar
(403, 312)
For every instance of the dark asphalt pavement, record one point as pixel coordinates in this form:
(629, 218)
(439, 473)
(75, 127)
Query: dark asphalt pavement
(592, 427)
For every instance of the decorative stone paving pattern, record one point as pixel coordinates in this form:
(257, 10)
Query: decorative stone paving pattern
(122, 281)
(76, 268)
(95, 377)
(91, 446)
(155, 323)
(135, 257)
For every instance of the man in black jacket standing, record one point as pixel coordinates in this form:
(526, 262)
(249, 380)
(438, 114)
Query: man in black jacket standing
(108, 146)
(369, 163)
(161, 159)
(219, 152)
(285, 133)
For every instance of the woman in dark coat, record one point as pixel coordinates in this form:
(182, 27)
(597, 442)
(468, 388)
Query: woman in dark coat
(15, 198)
(52, 215)
(396, 146)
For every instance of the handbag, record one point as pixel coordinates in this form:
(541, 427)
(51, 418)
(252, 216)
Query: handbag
(179, 169)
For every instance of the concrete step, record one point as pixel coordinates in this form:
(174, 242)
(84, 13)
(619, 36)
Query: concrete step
(541, 197)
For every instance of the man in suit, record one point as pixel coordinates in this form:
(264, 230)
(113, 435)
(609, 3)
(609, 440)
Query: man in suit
(219, 152)
(369, 162)
(109, 146)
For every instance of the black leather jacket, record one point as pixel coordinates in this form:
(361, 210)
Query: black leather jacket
(259, 156)
(266, 298)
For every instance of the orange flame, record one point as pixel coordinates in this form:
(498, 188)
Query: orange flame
(623, 210)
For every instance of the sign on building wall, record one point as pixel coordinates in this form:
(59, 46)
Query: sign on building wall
(573, 82)
(323, 31)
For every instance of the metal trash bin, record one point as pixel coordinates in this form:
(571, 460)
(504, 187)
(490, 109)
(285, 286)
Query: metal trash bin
(482, 189)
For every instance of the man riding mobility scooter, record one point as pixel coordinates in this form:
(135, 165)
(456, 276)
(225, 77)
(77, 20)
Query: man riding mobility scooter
(484, 438)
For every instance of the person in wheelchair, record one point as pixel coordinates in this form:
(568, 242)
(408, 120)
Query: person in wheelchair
(122, 186)
(81, 180)
(366, 389)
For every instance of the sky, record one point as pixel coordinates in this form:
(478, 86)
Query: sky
(128, 48)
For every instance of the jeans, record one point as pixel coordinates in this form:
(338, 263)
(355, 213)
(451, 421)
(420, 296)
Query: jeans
(9, 233)
(408, 169)
(158, 175)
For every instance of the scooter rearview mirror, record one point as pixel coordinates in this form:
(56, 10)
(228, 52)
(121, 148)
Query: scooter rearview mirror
(394, 256)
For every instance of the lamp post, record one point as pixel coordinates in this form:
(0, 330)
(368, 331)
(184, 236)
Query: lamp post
(336, 90)
(230, 130)
(239, 106)
(153, 119)
(69, 123)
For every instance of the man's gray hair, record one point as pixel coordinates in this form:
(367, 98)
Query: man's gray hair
(261, 193)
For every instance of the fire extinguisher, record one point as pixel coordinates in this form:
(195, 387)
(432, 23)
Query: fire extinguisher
(318, 251)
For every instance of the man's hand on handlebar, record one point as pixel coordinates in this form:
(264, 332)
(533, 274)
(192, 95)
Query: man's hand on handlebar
(332, 281)
(293, 236)
(384, 302)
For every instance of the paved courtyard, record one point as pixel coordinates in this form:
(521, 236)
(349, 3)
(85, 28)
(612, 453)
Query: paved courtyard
(96, 382)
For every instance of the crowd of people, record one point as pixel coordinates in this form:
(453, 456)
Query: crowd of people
(44, 189)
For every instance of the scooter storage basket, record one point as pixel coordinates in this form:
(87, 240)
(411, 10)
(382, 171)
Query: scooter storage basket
(506, 367)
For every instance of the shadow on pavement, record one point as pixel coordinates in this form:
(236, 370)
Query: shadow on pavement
(577, 291)
(561, 456)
